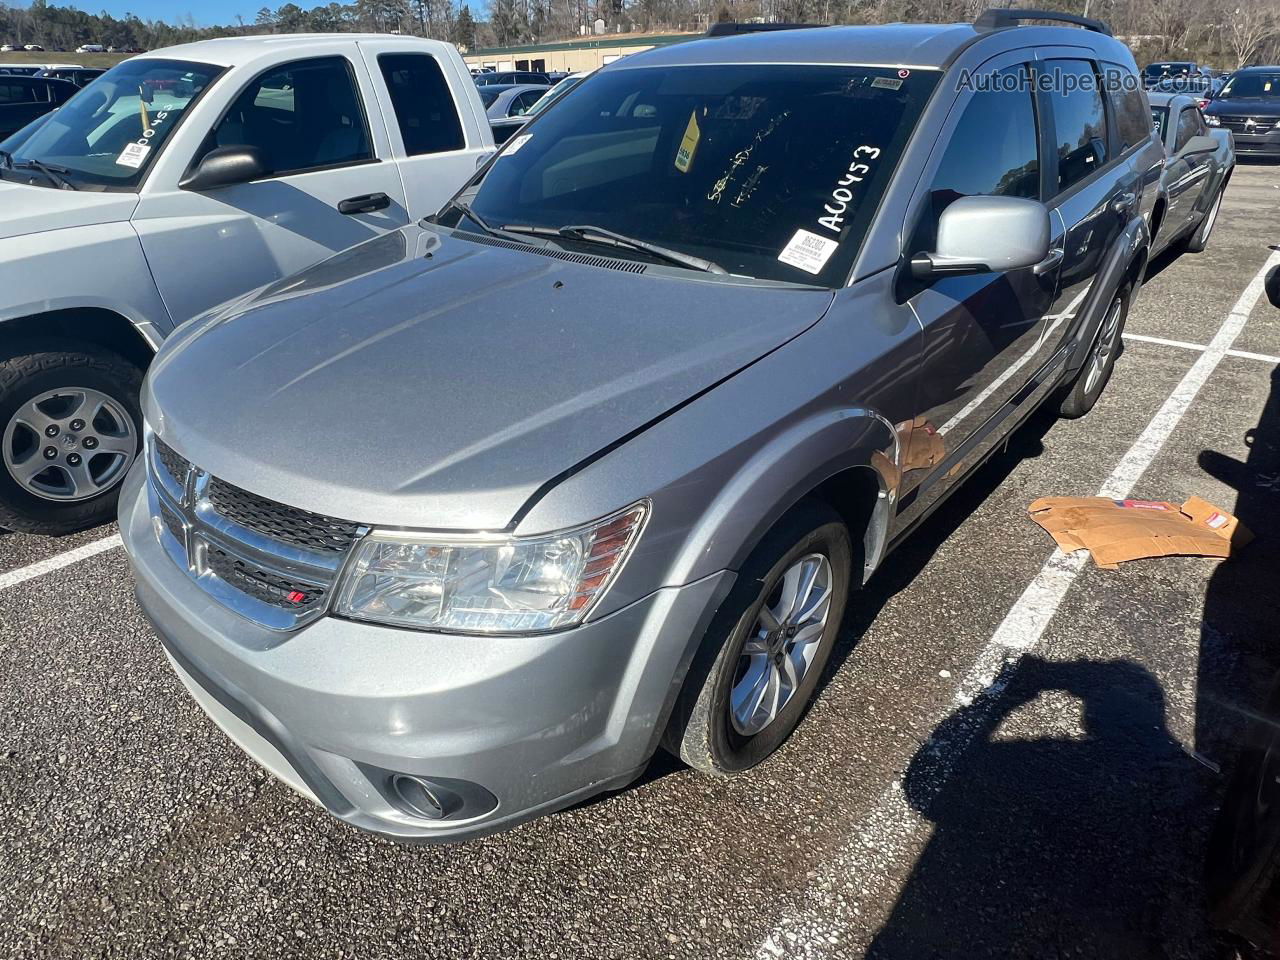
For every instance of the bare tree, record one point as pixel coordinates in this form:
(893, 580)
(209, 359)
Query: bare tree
(1248, 27)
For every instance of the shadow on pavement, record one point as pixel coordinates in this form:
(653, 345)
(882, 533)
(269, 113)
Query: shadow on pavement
(1082, 843)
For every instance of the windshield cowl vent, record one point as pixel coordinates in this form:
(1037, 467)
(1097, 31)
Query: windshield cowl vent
(626, 266)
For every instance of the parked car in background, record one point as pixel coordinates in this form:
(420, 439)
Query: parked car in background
(505, 100)
(91, 48)
(7, 48)
(23, 99)
(670, 355)
(505, 127)
(1156, 73)
(1199, 161)
(1249, 106)
(80, 76)
(512, 76)
(33, 47)
(179, 180)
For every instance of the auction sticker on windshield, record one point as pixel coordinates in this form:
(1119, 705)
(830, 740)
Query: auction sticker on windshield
(689, 145)
(808, 251)
(133, 154)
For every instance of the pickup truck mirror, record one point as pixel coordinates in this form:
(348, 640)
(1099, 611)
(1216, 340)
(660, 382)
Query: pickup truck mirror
(985, 234)
(1198, 144)
(1273, 286)
(223, 166)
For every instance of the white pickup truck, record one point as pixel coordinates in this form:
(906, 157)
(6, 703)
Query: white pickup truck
(177, 181)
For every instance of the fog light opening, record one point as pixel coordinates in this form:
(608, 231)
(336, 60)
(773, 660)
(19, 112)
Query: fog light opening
(422, 798)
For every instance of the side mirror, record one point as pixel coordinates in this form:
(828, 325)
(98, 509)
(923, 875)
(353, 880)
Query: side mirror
(1198, 144)
(986, 234)
(1273, 286)
(223, 166)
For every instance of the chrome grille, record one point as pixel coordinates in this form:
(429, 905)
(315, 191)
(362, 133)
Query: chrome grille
(273, 564)
(311, 531)
(1242, 124)
(172, 461)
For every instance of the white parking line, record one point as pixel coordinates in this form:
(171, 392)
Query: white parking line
(23, 574)
(858, 872)
(1185, 345)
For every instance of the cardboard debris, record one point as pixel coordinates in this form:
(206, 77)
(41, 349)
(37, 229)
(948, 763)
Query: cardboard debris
(1114, 531)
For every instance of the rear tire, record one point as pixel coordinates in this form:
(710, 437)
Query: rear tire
(88, 398)
(716, 727)
(1198, 239)
(1083, 393)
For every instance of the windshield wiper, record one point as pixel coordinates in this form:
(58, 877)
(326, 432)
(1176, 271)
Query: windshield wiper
(51, 171)
(465, 208)
(596, 234)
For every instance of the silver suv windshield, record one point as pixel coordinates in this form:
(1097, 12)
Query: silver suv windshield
(109, 133)
(772, 171)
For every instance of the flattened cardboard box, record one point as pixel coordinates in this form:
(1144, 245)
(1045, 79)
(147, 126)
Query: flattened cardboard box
(1114, 531)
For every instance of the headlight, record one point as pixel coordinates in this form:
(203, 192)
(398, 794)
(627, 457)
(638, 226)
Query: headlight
(487, 585)
(1212, 120)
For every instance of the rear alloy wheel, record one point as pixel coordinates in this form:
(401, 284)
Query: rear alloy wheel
(70, 428)
(1092, 378)
(761, 660)
(1199, 239)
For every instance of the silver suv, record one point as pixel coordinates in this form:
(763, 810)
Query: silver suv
(458, 526)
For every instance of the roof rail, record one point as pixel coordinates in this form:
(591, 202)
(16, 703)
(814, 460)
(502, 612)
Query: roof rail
(731, 28)
(995, 18)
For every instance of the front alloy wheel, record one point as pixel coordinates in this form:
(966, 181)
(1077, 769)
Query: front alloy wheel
(782, 646)
(763, 655)
(69, 444)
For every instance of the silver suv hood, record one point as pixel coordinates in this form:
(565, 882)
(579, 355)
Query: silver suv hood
(31, 209)
(436, 382)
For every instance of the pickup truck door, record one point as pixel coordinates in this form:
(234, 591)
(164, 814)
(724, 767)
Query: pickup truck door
(438, 132)
(334, 183)
(983, 333)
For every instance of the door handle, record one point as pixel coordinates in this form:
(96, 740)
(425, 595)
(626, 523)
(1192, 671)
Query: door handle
(1123, 202)
(1051, 262)
(365, 204)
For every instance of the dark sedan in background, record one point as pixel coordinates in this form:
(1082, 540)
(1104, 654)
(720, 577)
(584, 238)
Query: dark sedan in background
(23, 99)
(1249, 106)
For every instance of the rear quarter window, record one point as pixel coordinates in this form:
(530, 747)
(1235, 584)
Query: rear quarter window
(423, 103)
(1080, 120)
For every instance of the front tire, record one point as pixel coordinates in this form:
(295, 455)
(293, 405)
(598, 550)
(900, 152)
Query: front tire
(70, 427)
(752, 680)
(1083, 393)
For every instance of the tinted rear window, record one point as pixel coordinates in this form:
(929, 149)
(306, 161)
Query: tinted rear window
(423, 103)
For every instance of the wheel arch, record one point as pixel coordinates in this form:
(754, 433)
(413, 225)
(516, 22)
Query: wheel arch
(99, 326)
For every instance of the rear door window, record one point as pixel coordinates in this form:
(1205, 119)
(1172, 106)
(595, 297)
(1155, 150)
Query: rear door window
(1129, 106)
(1080, 120)
(16, 93)
(423, 103)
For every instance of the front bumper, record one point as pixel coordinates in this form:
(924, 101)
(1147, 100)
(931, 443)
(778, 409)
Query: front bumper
(337, 708)
(1257, 145)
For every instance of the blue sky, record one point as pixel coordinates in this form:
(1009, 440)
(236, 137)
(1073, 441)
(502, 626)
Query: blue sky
(206, 12)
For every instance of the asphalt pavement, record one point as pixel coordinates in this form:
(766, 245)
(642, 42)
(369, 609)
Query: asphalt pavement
(1020, 756)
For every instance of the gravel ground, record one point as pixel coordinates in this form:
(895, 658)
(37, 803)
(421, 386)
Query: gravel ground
(1070, 821)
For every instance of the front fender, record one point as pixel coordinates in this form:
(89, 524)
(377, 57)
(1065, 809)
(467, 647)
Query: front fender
(99, 266)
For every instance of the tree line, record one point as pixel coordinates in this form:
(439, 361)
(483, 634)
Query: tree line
(1224, 33)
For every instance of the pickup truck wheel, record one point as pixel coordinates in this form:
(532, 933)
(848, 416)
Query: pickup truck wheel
(1084, 391)
(751, 681)
(1199, 238)
(70, 427)
(1242, 870)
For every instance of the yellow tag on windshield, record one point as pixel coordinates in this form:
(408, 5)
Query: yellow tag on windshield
(689, 145)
